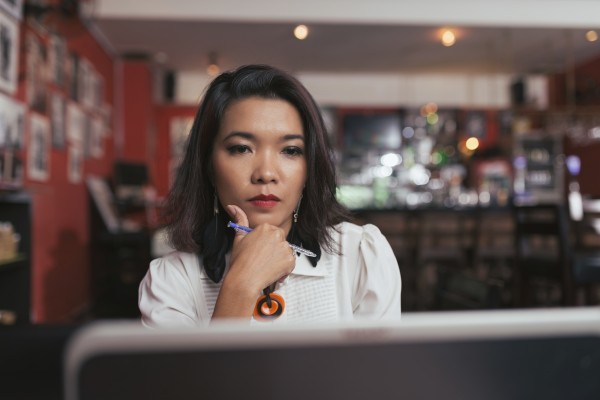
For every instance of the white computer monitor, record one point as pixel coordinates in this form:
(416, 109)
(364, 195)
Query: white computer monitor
(520, 354)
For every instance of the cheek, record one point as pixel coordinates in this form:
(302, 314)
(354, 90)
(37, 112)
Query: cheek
(297, 175)
(227, 178)
(224, 175)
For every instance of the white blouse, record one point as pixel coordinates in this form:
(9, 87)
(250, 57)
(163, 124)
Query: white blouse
(362, 282)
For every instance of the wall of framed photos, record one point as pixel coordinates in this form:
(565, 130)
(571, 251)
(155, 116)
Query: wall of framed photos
(56, 127)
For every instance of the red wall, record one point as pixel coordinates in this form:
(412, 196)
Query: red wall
(587, 86)
(60, 237)
(137, 111)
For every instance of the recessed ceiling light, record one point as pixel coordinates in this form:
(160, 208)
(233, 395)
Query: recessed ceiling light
(448, 38)
(591, 36)
(213, 66)
(301, 32)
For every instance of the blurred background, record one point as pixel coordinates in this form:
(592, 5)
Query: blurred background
(468, 132)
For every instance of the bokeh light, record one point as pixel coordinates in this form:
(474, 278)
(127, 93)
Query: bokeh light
(301, 32)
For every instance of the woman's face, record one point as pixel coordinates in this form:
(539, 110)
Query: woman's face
(259, 160)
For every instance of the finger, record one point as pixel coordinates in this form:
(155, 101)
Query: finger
(239, 217)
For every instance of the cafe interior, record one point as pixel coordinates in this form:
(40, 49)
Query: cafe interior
(467, 132)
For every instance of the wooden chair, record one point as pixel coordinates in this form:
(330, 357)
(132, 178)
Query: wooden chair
(445, 238)
(542, 253)
(494, 242)
(443, 247)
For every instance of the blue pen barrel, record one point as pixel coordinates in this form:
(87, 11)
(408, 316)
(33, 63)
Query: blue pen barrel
(293, 246)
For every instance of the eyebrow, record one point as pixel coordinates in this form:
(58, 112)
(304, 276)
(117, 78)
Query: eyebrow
(252, 137)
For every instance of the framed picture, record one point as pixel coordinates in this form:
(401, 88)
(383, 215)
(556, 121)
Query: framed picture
(73, 76)
(75, 124)
(87, 136)
(38, 155)
(12, 117)
(97, 91)
(57, 120)
(36, 74)
(97, 137)
(84, 74)
(9, 53)
(13, 7)
(11, 170)
(74, 164)
(57, 55)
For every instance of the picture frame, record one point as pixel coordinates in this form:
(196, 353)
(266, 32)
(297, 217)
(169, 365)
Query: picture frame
(73, 76)
(37, 78)
(57, 119)
(13, 8)
(11, 170)
(9, 53)
(97, 137)
(57, 53)
(74, 164)
(38, 154)
(75, 124)
(12, 121)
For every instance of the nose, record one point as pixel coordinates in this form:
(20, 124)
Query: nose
(265, 169)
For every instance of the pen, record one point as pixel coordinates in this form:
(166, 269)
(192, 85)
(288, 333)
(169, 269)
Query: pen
(293, 246)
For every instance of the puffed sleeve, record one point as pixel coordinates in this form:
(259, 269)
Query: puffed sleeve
(378, 283)
(166, 296)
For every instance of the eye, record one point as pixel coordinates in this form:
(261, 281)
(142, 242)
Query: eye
(293, 151)
(238, 149)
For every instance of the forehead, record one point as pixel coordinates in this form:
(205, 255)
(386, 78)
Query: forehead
(257, 114)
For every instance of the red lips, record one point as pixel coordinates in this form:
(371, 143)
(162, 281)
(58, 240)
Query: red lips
(265, 200)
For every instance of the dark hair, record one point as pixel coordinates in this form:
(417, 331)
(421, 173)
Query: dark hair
(189, 209)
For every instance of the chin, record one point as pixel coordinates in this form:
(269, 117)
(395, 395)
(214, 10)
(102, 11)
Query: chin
(255, 220)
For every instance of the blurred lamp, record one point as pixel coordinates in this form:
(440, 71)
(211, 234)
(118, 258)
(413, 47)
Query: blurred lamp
(573, 165)
(301, 32)
(213, 68)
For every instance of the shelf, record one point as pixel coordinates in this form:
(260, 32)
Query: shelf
(10, 262)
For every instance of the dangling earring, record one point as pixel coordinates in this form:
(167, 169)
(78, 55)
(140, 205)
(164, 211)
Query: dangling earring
(216, 212)
(296, 210)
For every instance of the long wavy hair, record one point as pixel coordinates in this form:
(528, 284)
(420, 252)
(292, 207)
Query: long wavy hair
(189, 214)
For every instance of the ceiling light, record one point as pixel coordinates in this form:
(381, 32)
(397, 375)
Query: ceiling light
(591, 36)
(301, 32)
(448, 38)
(213, 68)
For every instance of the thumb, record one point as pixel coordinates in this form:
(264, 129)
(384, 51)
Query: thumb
(239, 217)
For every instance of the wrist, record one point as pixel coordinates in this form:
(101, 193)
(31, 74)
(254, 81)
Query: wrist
(235, 300)
(240, 287)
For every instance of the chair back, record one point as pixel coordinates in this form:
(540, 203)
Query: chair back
(543, 249)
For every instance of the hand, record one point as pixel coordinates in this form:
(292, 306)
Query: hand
(260, 257)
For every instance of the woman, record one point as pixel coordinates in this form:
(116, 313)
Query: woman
(258, 156)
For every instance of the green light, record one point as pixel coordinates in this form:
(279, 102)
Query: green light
(432, 118)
